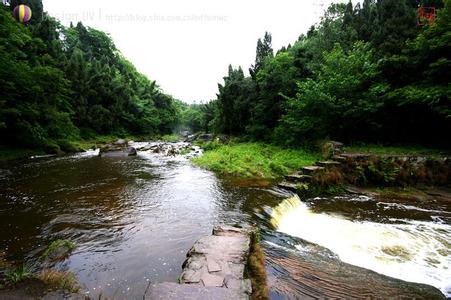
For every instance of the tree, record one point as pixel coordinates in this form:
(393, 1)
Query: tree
(394, 25)
(264, 51)
(340, 103)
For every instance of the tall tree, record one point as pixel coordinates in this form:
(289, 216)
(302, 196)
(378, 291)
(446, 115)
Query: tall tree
(264, 51)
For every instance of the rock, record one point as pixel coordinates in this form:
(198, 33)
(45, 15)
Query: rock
(185, 133)
(191, 276)
(217, 259)
(212, 280)
(56, 252)
(339, 158)
(132, 151)
(174, 291)
(191, 138)
(213, 270)
(298, 178)
(311, 169)
(288, 186)
(244, 285)
(120, 142)
(328, 163)
(61, 294)
(358, 156)
(205, 137)
(315, 273)
(117, 150)
(212, 265)
(331, 148)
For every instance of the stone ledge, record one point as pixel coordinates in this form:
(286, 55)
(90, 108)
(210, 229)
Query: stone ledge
(214, 268)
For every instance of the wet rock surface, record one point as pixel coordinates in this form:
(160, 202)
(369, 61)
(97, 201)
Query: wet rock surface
(174, 291)
(169, 149)
(314, 272)
(120, 148)
(214, 268)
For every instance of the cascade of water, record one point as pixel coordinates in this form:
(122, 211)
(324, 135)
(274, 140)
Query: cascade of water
(415, 251)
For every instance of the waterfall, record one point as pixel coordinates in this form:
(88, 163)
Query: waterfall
(416, 251)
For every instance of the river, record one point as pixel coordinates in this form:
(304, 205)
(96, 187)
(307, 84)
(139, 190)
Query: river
(134, 219)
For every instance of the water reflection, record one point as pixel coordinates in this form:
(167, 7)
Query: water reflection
(134, 219)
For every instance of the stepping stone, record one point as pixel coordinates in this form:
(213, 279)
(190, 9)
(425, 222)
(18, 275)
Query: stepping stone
(212, 280)
(328, 163)
(339, 158)
(212, 259)
(357, 156)
(288, 186)
(297, 177)
(191, 276)
(174, 291)
(311, 169)
(213, 265)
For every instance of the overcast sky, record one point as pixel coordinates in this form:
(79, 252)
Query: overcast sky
(187, 45)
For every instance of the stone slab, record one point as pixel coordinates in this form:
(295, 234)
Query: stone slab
(174, 291)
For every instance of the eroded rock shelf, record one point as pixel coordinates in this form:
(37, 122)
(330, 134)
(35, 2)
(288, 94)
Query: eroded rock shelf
(214, 269)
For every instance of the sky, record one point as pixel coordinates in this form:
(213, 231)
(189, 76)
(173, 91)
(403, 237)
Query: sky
(187, 45)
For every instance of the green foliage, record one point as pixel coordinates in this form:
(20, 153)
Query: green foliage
(364, 73)
(18, 275)
(172, 138)
(385, 171)
(234, 102)
(195, 117)
(61, 84)
(8, 153)
(57, 245)
(404, 150)
(255, 160)
(208, 146)
(343, 90)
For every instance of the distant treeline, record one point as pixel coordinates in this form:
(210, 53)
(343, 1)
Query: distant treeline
(366, 72)
(59, 84)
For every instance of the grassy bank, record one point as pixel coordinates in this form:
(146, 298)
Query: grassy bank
(254, 160)
(401, 150)
(8, 153)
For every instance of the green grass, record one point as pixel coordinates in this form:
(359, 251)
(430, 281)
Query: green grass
(14, 153)
(106, 139)
(18, 275)
(171, 138)
(254, 160)
(403, 150)
(58, 280)
(56, 245)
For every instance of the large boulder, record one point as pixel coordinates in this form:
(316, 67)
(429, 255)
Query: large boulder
(121, 142)
(120, 148)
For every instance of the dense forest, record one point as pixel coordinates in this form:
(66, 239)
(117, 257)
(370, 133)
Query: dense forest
(59, 84)
(364, 73)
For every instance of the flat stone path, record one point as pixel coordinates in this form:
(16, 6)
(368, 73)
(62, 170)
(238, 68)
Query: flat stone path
(214, 269)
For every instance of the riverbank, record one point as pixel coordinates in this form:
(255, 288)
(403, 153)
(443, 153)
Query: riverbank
(253, 160)
(12, 153)
(266, 161)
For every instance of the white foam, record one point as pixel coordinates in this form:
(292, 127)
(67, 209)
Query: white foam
(416, 251)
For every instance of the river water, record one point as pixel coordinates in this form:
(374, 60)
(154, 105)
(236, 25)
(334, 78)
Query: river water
(134, 219)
